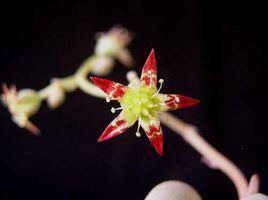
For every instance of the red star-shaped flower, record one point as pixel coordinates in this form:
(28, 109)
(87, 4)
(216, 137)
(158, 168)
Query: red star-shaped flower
(141, 102)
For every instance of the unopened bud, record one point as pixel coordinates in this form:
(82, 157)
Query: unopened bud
(56, 95)
(102, 65)
(113, 43)
(28, 102)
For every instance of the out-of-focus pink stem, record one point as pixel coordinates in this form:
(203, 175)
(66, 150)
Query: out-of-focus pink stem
(213, 158)
(254, 184)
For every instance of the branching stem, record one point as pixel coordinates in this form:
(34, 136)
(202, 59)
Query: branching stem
(215, 159)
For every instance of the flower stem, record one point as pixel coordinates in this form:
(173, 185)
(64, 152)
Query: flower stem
(78, 80)
(213, 157)
(89, 88)
(68, 84)
(86, 66)
(43, 93)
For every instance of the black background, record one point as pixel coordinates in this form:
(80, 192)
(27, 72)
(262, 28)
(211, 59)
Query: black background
(213, 51)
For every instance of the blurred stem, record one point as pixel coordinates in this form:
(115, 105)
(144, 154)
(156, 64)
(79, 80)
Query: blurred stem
(88, 87)
(78, 80)
(82, 80)
(213, 158)
(43, 93)
(86, 66)
(68, 84)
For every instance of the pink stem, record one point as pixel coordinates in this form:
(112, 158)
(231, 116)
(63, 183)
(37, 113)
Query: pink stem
(211, 156)
(254, 184)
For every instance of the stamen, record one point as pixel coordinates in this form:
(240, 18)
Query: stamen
(138, 134)
(115, 109)
(108, 99)
(149, 72)
(161, 81)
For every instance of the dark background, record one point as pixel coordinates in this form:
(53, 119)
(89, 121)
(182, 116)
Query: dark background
(213, 51)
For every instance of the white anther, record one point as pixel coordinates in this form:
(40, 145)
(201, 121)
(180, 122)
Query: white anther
(115, 109)
(161, 81)
(138, 134)
(149, 72)
(108, 99)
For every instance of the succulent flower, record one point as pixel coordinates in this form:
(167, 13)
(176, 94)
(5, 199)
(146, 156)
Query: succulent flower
(114, 43)
(141, 102)
(21, 105)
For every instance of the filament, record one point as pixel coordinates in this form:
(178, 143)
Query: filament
(161, 81)
(115, 109)
(138, 134)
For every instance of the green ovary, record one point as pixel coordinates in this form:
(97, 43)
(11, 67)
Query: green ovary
(140, 102)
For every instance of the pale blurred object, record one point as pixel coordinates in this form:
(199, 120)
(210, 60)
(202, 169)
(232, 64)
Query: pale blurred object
(21, 105)
(257, 196)
(113, 43)
(254, 184)
(173, 190)
(56, 95)
(102, 65)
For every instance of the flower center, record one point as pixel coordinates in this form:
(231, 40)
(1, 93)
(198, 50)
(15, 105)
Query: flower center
(142, 102)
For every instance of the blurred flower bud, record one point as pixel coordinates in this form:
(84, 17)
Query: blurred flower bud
(102, 66)
(257, 196)
(114, 43)
(21, 105)
(173, 190)
(56, 95)
(28, 102)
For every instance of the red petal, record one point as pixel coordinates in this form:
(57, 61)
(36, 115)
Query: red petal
(177, 101)
(154, 133)
(186, 102)
(115, 128)
(156, 138)
(111, 88)
(149, 70)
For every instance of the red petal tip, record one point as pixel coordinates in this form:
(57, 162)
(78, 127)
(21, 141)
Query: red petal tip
(186, 102)
(114, 89)
(158, 146)
(100, 139)
(104, 137)
(149, 70)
